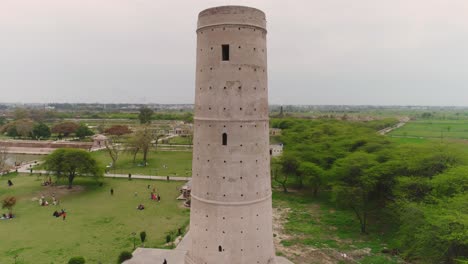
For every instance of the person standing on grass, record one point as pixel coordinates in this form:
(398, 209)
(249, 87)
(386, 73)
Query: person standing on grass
(112, 191)
(64, 215)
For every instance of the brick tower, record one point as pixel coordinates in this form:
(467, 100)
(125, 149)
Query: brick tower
(231, 217)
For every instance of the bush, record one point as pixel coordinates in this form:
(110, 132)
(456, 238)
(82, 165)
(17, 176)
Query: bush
(143, 237)
(77, 260)
(124, 255)
(168, 238)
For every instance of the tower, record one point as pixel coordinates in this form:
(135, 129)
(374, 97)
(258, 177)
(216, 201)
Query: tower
(231, 217)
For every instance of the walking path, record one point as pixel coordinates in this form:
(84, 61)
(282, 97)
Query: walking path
(390, 129)
(25, 168)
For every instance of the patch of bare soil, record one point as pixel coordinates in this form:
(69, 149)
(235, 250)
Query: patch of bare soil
(304, 254)
(59, 191)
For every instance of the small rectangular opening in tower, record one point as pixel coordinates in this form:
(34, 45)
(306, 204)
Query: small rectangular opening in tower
(225, 51)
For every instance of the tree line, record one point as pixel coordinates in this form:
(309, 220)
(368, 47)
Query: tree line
(417, 190)
(28, 128)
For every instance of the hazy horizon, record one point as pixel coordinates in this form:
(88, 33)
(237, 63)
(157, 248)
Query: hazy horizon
(365, 52)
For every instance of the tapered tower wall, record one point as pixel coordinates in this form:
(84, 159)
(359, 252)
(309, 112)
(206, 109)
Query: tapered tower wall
(231, 217)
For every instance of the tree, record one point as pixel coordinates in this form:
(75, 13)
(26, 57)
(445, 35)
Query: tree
(290, 165)
(145, 115)
(141, 140)
(8, 203)
(118, 130)
(353, 185)
(83, 131)
(70, 163)
(41, 130)
(280, 178)
(2, 120)
(65, 128)
(24, 127)
(20, 113)
(314, 175)
(114, 149)
(113, 145)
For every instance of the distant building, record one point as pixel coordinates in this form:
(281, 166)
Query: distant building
(183, 131)
(99, 141)
(276, 150)
(275, 131)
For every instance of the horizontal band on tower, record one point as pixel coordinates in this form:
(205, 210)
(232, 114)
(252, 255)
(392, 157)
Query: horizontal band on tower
(231, 203)
(231, 24)
(229, 120)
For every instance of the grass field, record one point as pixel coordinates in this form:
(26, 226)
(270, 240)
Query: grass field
(315, 232)
(180, 141)
(455, 129)
(98, 225)
(177, 163)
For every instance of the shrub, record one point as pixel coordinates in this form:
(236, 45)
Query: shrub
(143, 237)
(77, 260)
(124, 255)
(168, 238)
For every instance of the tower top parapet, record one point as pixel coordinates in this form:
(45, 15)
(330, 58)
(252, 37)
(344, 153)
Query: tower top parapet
(231, 15)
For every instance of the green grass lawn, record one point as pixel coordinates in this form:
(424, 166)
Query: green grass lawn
(178, 163)
(98, 225)
(315, 223)
(455, 129)
(180, 141)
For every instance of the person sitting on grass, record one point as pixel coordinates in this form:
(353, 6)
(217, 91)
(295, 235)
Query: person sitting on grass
(140, 207)
(10, 183)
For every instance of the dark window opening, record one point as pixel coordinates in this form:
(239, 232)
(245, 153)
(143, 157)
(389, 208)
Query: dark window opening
(224, 139)
(225, 51)
(220, 249)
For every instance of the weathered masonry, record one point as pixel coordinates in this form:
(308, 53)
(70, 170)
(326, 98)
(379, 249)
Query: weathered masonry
(231, 217)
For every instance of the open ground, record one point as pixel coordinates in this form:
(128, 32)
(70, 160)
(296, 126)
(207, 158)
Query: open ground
(98, 226)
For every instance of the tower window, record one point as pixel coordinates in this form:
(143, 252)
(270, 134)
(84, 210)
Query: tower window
(225, 52)
(224, 139)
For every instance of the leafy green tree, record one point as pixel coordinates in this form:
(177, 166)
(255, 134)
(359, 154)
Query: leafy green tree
(145, 115)
(353, 185)
(313, 174)
(70, 163)
(290, 166)
(40, 131)
(83, 131)
(141, 141)
(2, 120)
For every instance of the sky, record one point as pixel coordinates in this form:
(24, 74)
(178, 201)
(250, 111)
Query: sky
(332, 52)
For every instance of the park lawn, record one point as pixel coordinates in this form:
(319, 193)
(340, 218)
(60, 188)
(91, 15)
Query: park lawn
(178, 163)
(313, 225)
(180, 141)
(98, 225)
(455, 129)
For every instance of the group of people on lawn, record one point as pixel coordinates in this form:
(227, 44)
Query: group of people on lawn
(44, 202)
(153, 196)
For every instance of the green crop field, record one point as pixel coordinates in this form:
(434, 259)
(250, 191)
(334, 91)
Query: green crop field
(98, 226)
(455, 129)
(172, 163)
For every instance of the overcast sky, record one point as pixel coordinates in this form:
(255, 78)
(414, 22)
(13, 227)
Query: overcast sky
(378, 52)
